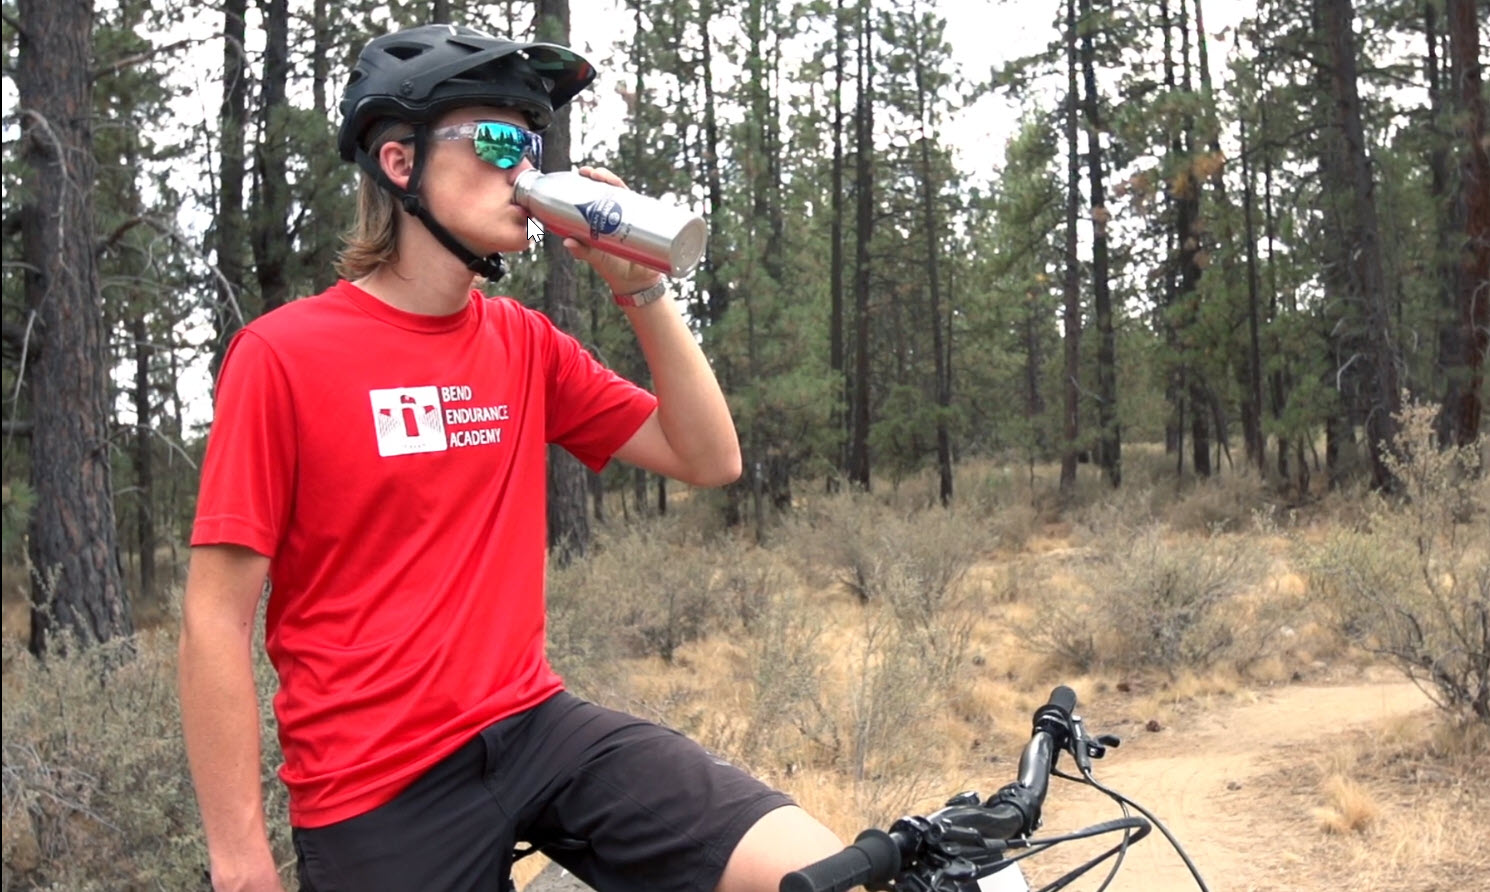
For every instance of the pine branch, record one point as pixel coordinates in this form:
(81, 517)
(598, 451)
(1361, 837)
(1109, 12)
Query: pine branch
(15, 25)
(117, 234)
(146, 56)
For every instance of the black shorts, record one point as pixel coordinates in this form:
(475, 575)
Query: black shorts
(621, 803)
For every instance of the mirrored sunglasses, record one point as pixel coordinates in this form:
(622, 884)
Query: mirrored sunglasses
(497, 143)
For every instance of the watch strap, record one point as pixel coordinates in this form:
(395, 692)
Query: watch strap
(643, 297)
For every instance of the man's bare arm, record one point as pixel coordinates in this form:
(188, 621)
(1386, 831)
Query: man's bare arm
(220, 712)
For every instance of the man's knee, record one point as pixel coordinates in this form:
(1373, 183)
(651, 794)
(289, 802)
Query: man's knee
(783, 840)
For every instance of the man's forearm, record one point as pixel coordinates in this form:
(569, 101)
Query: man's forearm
(690, 406)
(220, 717)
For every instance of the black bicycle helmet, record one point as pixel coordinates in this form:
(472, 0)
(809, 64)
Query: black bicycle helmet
(420, 73)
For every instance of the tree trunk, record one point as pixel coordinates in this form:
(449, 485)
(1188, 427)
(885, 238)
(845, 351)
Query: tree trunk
(568, 521)
(839, 414)
(320, 60)
(858, 470)
(1072, 366)
(933, 254)
(1200, 433)
(1367, 281)
(1187, 232)
(271, 217)
(1472, 208)
(1174, 396)
(76, 587)
(719, 296)
(143, 458)
(1109, 447)
(228, 313)
(1252, 415)
(1035, 322)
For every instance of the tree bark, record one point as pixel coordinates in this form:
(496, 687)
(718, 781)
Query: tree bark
(1252, 420)
(942, 374)
(143, 457)
(228, 312)
(1187, 231)
(568, 522)
(271, 217)
(73, 547)
(1174, 435)
(719, 294)
(1472, 207)
(1109, 444)
(1072, 366)
(835, 260)
(1366, 279)
(320, 60)
(858, 471)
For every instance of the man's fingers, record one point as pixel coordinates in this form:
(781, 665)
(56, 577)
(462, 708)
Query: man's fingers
(580, 250)
(603, 174)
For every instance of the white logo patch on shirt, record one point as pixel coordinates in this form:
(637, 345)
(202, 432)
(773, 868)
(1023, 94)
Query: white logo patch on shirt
(408, 420)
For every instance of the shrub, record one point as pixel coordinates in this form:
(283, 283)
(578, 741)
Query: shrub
(1225, 501)
(869, 548)
(1413, 583)
(645, 590)
(1170, 604)
(96, 790)
(784, 664)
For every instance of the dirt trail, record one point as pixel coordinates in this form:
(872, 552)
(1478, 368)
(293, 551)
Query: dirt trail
(1201, 775)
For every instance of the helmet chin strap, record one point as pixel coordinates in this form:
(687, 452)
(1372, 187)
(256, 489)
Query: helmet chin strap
(490, 266)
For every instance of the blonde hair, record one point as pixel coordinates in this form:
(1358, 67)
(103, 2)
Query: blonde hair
(372, 240)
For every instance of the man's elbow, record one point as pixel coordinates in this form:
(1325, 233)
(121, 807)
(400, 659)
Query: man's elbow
(722, 472)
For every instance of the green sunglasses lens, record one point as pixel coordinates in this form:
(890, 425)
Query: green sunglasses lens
(504, 145)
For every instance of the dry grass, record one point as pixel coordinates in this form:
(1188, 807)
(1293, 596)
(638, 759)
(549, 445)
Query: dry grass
(1401, 807)
(1349, 807)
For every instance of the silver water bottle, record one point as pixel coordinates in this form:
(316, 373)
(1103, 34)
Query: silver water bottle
(617, 221)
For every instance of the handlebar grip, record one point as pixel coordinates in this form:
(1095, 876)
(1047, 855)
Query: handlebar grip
(1055, 715)
(873, 858)
(1064, 699)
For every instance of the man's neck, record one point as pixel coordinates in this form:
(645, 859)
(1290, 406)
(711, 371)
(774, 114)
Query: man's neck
(427, 279)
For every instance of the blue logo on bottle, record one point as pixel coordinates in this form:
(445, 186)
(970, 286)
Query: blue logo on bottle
(603, 215)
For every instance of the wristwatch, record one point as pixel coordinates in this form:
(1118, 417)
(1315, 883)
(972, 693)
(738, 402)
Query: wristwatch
(643, 297)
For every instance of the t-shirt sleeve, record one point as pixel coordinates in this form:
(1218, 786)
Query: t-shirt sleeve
(249, 470)
(591, 411)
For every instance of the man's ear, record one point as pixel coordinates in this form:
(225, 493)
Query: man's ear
(397, 160)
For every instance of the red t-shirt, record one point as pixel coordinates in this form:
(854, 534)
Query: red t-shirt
(392, 467)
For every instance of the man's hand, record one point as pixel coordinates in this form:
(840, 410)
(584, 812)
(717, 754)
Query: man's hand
(623, 276)
(258, 876)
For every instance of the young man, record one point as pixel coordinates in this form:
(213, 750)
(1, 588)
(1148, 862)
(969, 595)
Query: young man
(378, 454)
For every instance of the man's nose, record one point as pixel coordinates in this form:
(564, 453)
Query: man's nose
(515, 171)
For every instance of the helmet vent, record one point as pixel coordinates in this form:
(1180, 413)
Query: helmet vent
(405, 52)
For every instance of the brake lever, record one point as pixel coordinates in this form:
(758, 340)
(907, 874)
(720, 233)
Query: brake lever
(1086, 748)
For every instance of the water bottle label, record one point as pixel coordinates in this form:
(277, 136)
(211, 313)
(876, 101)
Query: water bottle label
(603, 215)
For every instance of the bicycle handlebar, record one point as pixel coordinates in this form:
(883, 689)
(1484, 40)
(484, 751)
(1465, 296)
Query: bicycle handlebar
(874, 857)
(877, 856)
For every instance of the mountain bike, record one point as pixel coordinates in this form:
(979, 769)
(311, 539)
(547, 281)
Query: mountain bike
(971, 845)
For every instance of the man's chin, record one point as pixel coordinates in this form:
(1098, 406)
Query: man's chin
(508, 245)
